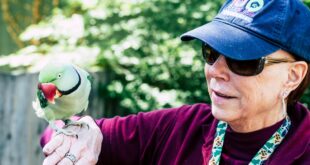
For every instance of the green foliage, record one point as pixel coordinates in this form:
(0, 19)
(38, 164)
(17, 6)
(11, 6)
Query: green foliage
(140, 50)
(137, 44)
(307, 2)
(141, 46)
(306, 97)
(15, 16)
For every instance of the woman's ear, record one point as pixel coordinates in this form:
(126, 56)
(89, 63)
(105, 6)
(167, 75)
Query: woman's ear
(296, 74)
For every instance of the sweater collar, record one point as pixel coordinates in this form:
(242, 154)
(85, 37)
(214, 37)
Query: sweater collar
(297, 137)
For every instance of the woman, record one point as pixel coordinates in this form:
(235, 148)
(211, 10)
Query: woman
(257, 57)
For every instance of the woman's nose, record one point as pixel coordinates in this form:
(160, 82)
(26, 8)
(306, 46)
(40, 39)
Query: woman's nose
(218, 70)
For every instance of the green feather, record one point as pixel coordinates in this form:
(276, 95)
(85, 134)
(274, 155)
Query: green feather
(42, 99)
(90, 78)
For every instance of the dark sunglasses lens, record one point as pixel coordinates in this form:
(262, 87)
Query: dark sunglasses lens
(209, 55)
(240, 67)
(246, 67)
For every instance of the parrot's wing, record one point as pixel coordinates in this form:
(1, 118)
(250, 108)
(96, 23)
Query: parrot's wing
(86, 106)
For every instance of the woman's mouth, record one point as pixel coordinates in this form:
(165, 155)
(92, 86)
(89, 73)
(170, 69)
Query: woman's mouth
(221, 98)
(223, 95)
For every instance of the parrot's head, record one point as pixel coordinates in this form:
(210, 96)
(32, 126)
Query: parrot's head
(55, 80)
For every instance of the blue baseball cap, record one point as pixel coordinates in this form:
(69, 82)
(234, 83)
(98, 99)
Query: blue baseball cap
(251, 29)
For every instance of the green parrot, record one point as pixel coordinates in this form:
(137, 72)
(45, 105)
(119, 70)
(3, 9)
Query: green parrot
(63, 91)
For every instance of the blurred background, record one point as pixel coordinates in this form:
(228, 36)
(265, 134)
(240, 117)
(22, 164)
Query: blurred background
(131, 47)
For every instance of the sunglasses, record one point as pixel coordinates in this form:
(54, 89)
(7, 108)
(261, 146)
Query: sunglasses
(241, 67)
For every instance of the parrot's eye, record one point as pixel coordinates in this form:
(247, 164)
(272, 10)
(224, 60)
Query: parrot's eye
(59, 75)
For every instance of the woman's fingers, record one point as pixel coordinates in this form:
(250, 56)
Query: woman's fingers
(53, 144)
(69, 150)
(88, 158)
(84, 161)
(59, 153)
(75, 152)
(66, 161)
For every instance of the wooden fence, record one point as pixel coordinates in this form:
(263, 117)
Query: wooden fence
(20, 128)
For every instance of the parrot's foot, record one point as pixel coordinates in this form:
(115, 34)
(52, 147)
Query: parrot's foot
(66, 132)
(61, 130)
(76, 123)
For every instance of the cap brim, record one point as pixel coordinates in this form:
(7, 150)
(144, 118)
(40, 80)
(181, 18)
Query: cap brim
(231, 41)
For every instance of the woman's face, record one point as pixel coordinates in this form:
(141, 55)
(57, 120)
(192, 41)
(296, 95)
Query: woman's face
(237, 98)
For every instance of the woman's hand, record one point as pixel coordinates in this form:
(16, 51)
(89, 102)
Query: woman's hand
(85, 149)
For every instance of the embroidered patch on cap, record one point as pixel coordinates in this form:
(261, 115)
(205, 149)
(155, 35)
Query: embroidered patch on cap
(254, 5)
(243, 9)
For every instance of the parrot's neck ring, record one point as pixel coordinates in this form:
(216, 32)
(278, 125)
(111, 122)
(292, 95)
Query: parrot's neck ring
(74, 88)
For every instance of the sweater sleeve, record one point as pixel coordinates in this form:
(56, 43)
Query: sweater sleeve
(304, 158)
(126, 140)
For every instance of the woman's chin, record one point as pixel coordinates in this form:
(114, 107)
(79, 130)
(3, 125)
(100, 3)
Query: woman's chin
(223, 113)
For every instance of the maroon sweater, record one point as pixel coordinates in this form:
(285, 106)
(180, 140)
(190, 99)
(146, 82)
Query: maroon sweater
(185, 135)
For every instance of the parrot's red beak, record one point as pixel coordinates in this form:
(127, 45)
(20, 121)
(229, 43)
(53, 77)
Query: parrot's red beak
(50, 91)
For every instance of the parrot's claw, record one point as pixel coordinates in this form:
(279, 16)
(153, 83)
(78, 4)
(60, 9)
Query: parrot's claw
(77, 123)
(61, 130)
(66, 132)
